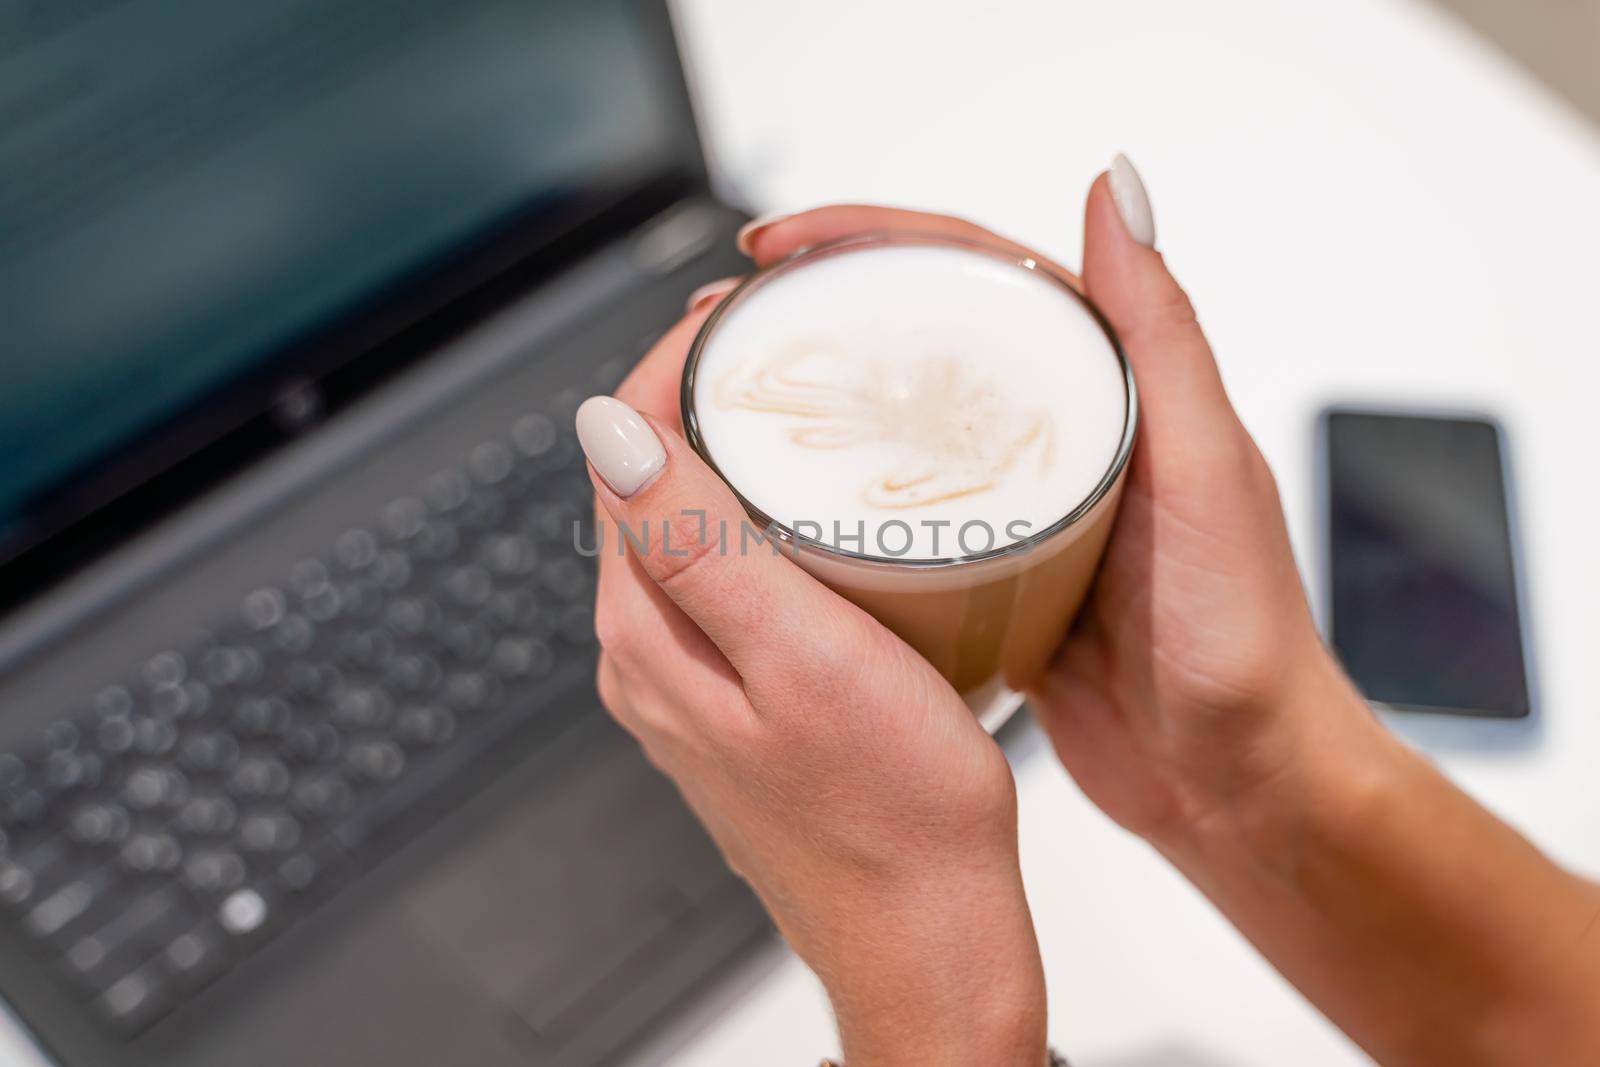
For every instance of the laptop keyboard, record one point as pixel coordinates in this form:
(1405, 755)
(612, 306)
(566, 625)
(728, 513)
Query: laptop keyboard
(203, 803)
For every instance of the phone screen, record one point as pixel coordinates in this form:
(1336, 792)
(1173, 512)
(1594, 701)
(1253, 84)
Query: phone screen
(1423, 584)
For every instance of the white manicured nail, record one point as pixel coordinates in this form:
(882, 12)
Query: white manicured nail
(1133, 203)
(620, 444)
(748, 231)
(717, 289)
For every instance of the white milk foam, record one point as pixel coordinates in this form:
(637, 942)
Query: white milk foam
(911, 385)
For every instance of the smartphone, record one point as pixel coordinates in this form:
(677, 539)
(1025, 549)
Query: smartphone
(1424, 598)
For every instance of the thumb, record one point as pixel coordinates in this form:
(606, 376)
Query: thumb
(693, 539)
(1179, 387)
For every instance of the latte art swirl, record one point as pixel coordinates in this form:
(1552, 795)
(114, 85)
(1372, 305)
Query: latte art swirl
(904, 384)
(958, 437)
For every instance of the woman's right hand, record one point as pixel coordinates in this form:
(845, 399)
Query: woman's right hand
(1195, 692)
(1196, 705)
(1170, 701)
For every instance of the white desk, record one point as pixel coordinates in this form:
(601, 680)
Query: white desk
(1365, 202)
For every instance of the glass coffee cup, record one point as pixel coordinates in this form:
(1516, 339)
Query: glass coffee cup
(988, 616)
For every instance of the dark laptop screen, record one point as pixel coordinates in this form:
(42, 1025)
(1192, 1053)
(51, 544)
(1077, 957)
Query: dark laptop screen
(188, 191)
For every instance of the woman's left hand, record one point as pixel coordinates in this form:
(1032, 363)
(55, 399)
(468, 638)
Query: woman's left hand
(841, 776)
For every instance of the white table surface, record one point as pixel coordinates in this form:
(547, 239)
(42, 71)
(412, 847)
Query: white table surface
(1365, 202)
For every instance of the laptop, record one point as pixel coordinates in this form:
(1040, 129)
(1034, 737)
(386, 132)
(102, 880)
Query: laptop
(300, 756)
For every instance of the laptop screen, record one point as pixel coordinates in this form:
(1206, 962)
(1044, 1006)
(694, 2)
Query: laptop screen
(191, 191)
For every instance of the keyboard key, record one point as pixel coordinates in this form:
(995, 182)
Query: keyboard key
(264, 608)
(446, 490)
(154, 736)
(413, 673)
(534, 435)
(424, 725)
(36, 871)
(228, 666)
(362, 600)
(113, 700)
(361, 708)
(136, 1000)
(437, 540)
(392, 570)
(259, 776)
(59, 736)
(489, 463)
(552, 521)
(16, 883)
(27, 807)
(470, 586)
(194, 958)
(12, 771)
(207, 814)
(484, 510)
(410, 616)
(155, 786)
(375, 760)
(214, 870)
(210, 752)
(468, 691)
(577, 625)
(365, 648)
(55, 912)
(317, 743)
(99, 823)
(320, 795)
(165, 669)
(115, 736)
(320, 862)
(174, 702)
(510, 554)
(294, 634)
(308, 680)
(243, 911)
(520, 657)
(268, 831)
(355, 549)
(523, 611)
(566, 578)
(151, 851)
(564, 405)
(308, 577)
(144, 925)
(259, 717)
(66, 771)
(468, 642)
(403, 517)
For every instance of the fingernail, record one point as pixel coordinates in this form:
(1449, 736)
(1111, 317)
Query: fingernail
(747, 232)
(712, 290)
(1133, 203)
(619, 444)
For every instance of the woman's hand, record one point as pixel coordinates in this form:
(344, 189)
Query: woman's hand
(1196, 705)
(1167, 701)
(839, 773)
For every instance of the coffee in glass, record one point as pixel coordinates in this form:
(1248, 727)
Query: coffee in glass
(935, 428)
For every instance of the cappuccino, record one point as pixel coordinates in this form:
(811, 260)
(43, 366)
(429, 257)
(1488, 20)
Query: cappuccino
(936, 429)
(916, 402)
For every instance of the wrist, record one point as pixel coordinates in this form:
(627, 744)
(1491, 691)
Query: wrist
(1331, 764)
(947, 971)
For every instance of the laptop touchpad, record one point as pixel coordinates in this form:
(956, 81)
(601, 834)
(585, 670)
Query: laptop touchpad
(558, 898)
